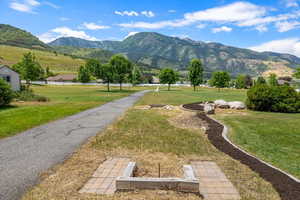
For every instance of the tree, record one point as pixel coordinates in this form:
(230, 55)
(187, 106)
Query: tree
(297, 73)
(261, 80)
(135, 76)
(6, 94)
(240, 82)
(29, 68)
(168, 76)
(84, 74)
(122, 68)
(248, 81)
(195, 72)
(107, 74)
(93, 66)
(48, 74)
(272, 80)
(220, 79)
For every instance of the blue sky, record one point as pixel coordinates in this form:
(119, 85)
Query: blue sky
(272, 25)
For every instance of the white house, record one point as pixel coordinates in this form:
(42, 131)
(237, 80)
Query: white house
(11, 77)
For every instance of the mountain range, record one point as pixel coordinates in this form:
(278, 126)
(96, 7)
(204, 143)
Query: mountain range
(154, 50)
(158, 51)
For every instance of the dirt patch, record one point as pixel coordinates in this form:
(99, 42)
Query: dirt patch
(288, 188)
(188, 120)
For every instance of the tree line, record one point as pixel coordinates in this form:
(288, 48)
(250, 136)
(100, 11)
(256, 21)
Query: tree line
(119, 70)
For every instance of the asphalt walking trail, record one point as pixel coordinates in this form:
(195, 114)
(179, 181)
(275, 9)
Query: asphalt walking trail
(24, 156)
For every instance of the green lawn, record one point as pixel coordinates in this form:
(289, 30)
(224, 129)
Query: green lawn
(183, 95)
(274, 137)
(64, 101)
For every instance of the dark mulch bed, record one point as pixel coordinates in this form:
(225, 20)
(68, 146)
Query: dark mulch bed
(157, 105)
(194, 106)
(288, 188)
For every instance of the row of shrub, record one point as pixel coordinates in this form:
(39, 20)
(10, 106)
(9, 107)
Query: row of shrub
(273, 98)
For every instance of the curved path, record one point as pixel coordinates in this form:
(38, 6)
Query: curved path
(24, 156)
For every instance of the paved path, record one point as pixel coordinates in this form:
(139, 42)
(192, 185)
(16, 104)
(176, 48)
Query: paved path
(103, 181)
(213, 183)
(24, 156)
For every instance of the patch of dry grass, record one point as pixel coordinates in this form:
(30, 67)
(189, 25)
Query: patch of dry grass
(64, 181)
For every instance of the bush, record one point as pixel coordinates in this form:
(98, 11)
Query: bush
(6, 94)
(28, 95)
(263, 97)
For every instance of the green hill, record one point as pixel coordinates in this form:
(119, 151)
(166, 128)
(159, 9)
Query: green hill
(58, 63)
(96, 53)
(158, 51)
(13, 36)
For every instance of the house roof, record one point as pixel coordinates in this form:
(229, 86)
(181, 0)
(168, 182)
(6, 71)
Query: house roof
(5, 66)
(62, 77)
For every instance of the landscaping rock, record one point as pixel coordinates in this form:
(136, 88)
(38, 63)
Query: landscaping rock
(221, 104)
(209, 109)
(168, 107)
(237, 105)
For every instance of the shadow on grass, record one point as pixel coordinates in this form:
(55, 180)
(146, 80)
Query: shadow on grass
(117, 91)
(3, 108)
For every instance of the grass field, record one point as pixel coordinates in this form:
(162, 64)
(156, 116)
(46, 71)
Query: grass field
(59, 64)
(273, 137)
(183, 95)
(64, 101)
(169, 137)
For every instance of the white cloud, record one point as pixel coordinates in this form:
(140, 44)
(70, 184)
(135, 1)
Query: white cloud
(32, 2)
(241, 14)
(148, 13)
(51, 4)
(291, 3)
(130, 34)
(172, 11)
(93, 26)
(21, 7)
(221, 29)
(234, 12)
(200, 26)
(64, 19)
(288, 45)
(269, 19)
(64, 32)
(261, 28)
(286, 26)
(156, 25)
(29, 5)
(127, 13)
(47, 37)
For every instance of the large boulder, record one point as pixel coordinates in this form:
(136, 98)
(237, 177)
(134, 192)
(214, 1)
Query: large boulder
(221, 104)
(237, 105)
(209, 109)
